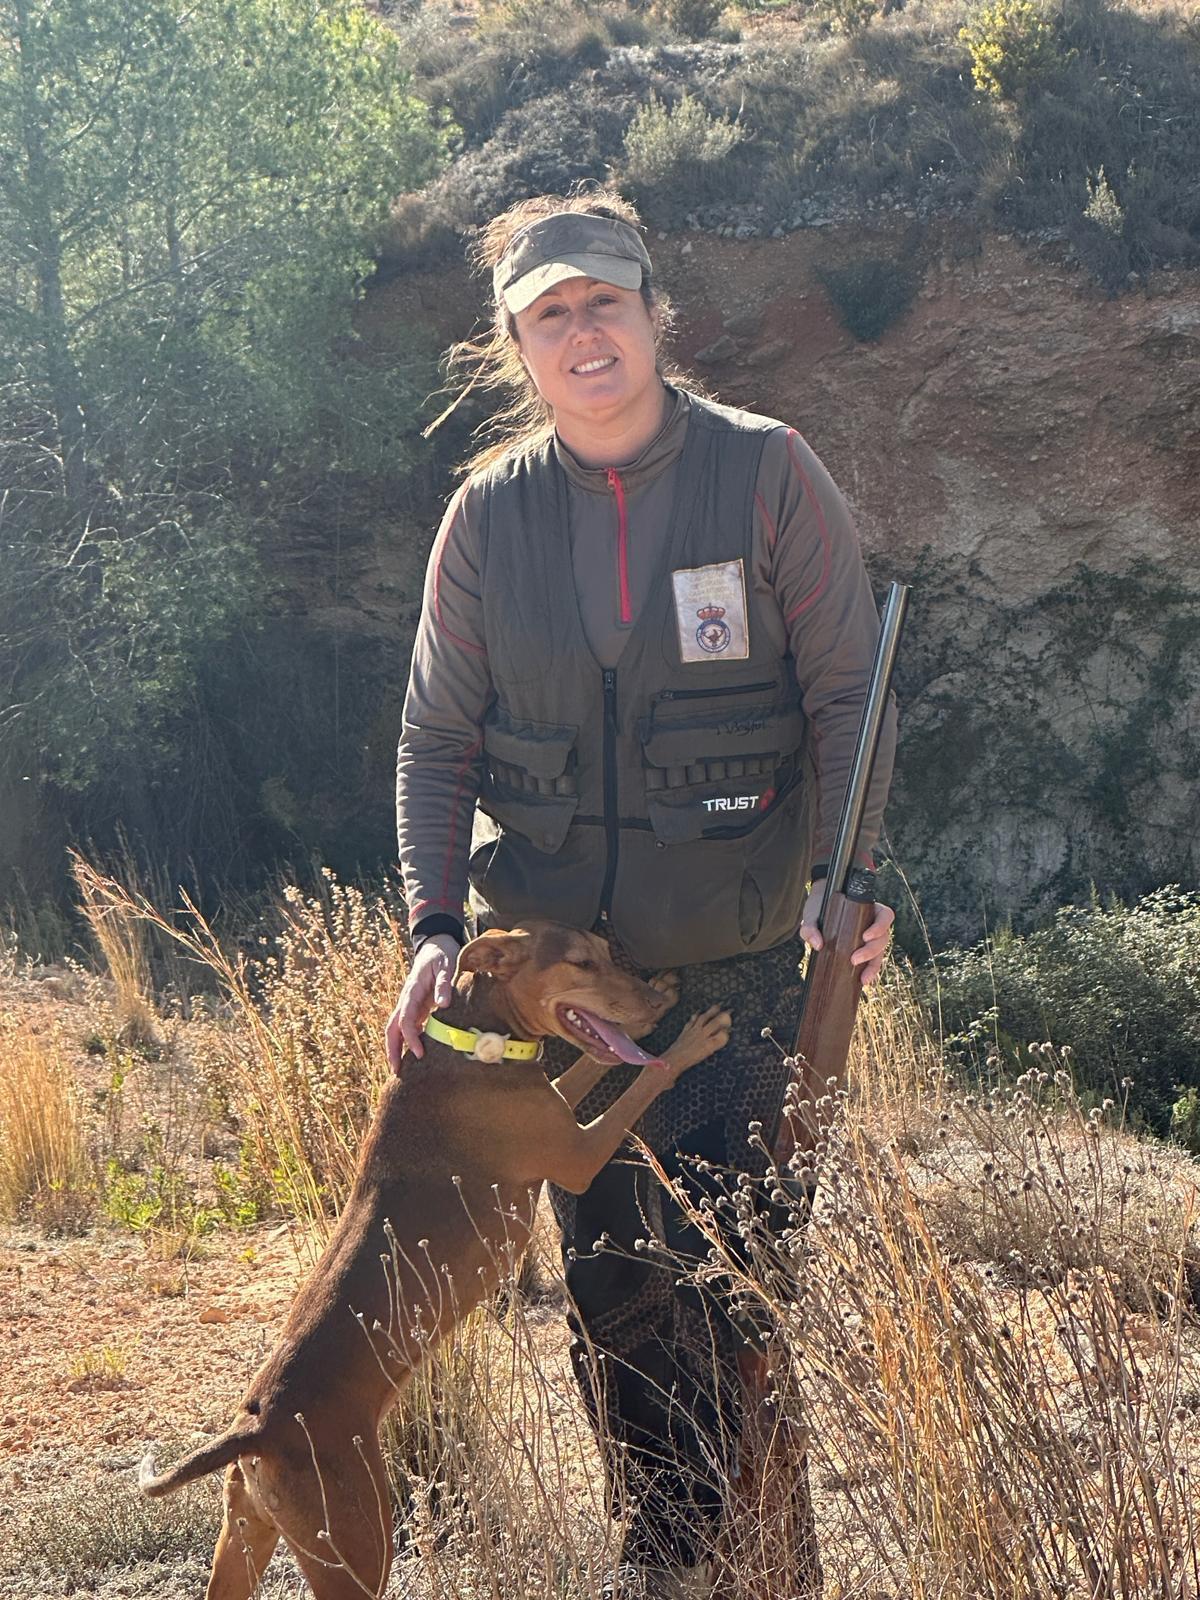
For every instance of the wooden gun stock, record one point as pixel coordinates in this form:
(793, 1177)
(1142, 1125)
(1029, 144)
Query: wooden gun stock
(831, 994)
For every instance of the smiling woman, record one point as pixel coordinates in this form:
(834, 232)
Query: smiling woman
(589, 348)
(643, 613)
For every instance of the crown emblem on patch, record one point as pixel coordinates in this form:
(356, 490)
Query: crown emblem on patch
(713, 634)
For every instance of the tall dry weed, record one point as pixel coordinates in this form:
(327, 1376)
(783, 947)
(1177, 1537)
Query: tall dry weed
(990, 1342)
(46, 1172)
(300, 1061)
(120, 935)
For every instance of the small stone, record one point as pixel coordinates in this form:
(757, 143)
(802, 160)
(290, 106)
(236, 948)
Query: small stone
(214, 1314)
(768, 355)
(743, 324)
(720, 350)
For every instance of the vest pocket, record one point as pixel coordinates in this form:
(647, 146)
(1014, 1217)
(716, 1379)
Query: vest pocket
(529, 783)
(718, 772)
(758, 735)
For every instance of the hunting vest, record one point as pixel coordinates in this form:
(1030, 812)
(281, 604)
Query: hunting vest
(673, 796)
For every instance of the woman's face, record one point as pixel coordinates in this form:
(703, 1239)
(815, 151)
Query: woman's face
(589, 348)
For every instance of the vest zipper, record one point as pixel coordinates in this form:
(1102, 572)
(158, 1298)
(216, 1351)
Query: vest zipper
(704, 694)
(611, 820)
(618, 489)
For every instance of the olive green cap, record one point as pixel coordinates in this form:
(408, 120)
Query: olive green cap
(568, 244)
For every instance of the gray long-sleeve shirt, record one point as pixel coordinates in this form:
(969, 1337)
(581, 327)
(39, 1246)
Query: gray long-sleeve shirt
(806, 563)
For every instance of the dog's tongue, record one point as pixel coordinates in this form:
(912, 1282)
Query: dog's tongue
(621, 1045)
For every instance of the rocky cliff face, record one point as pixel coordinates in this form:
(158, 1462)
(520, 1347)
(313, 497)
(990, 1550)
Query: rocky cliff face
(1027, 453)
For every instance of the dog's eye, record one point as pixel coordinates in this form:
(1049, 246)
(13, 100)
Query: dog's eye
(585, 963)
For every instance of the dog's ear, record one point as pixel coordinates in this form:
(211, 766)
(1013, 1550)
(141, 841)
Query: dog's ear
(496, 952)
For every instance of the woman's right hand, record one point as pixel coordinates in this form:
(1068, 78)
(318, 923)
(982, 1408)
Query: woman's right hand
(427, 988)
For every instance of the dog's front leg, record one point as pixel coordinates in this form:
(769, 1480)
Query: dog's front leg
(579, 1159)
(580, 1078)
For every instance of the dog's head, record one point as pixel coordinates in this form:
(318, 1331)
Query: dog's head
(558, 980)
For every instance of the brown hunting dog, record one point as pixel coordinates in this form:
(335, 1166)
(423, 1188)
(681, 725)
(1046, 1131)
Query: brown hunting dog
(442, 1203)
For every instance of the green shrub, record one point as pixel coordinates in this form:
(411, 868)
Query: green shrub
(1119, 985)
(1100, 236)
(850, 16)
(1011, 45)
(663, 142)
(870, 294)
(695, 19)
(1103, 208)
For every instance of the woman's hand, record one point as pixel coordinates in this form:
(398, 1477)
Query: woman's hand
(876, 937)
(426, 989)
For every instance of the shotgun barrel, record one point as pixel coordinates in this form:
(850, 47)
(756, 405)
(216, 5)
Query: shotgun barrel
(832, 987)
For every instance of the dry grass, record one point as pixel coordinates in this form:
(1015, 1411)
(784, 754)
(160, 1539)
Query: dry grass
(299, 1061)
(986, 1333)
(57, 1543)
(994, 1350)
(120, 936)
(46, 1170)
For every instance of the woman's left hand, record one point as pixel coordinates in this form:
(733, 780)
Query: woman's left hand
(875, 940)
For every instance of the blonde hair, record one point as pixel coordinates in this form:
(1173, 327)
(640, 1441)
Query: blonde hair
(493, 362)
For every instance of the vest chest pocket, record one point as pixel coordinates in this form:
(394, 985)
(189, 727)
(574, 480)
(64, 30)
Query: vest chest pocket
(718, 771)
(529, 782)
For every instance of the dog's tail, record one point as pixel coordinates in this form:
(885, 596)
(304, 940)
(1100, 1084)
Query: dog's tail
(237, 1442)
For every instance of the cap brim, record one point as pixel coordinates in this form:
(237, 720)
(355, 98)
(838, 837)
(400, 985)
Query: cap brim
(618, 270)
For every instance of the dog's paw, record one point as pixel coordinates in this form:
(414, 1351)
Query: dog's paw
(667, 983)
(705, 1033)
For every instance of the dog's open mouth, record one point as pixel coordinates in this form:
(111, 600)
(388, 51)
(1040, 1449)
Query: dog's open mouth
(600, 1038)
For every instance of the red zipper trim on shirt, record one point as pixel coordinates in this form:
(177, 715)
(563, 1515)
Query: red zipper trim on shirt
(618, 489)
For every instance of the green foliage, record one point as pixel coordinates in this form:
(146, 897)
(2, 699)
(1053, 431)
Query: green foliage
(186, 225)
(1119, 985)
(870, 294)
(101, 650)
(1012, 47)
(1123, 98)
(520, 52)
(694, 19)
(850, 16)
(663, 143)
(1185, 1120)
(240, 1200)
(202, 197)
(158, 1197)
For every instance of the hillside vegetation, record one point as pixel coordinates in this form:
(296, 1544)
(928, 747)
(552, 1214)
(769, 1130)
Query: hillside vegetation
(1076, 117)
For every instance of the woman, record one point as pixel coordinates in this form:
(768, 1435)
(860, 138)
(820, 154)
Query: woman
(644, 649)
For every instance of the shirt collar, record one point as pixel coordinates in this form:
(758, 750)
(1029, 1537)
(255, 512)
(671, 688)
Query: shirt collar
(663, 450)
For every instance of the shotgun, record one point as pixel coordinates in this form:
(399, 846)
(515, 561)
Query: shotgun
(832, 988)
(771, 1483)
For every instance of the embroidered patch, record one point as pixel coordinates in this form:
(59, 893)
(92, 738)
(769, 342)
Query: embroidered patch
(710, 611)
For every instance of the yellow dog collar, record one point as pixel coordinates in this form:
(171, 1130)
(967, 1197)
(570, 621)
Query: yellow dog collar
(482, 1046)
